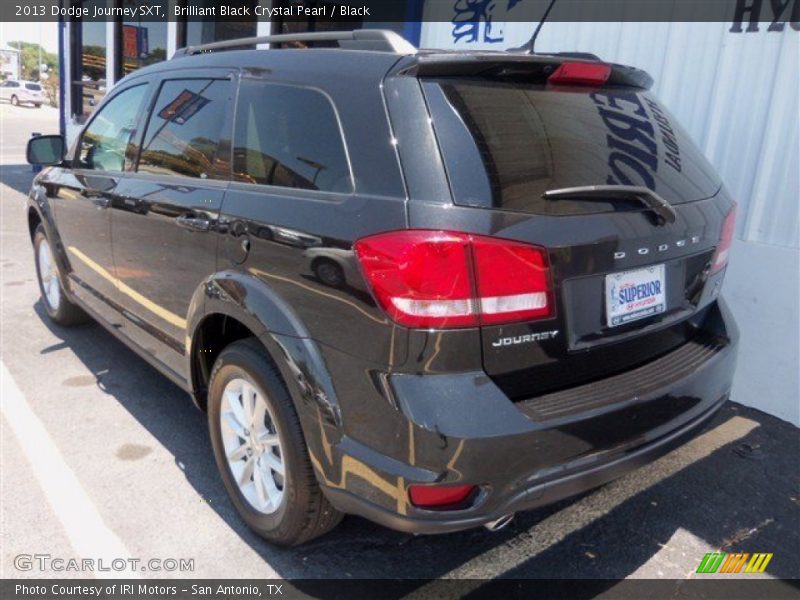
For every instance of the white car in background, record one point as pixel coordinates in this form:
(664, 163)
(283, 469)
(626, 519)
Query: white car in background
(22, 92)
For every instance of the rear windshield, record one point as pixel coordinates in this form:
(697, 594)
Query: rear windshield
(34, 87)
(505, 144)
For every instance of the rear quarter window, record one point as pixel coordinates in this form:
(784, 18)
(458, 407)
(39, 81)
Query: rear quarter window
(289, 136)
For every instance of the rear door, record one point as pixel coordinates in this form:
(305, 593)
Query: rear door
(166, 212)
(628, 287)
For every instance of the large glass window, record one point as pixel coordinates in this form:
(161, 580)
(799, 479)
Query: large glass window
(301, 23)
(89, 66)
(104, 144)
(204, 30)
(184, 129)
(289, 136)
(143, 42)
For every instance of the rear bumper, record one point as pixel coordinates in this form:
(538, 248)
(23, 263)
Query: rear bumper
(519, 458)
(532, 497)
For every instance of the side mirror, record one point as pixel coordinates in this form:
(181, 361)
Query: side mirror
(45, 150)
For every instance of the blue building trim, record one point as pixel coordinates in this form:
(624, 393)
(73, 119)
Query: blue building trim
(62, 124)
(412, 29)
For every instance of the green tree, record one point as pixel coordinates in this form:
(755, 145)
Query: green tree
(29, 67)
(29, 60)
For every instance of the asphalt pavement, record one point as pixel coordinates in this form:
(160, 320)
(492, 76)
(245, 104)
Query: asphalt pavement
(101, 456)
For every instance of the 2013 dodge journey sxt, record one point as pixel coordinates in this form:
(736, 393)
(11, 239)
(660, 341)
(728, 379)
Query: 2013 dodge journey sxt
(429, 288)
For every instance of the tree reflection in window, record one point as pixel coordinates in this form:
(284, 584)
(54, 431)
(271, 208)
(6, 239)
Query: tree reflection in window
(183, 133)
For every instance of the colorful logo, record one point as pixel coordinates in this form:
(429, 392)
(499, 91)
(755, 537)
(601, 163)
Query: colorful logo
(742, 562)
(474, 21)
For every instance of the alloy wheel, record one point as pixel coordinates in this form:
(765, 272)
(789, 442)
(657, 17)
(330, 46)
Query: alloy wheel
(252, 445)
(49, 276)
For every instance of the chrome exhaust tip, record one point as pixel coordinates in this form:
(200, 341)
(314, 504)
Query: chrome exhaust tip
(498, 524)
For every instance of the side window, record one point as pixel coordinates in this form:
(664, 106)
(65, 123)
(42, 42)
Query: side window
(288, 136)
(104, 143)
(184, 129)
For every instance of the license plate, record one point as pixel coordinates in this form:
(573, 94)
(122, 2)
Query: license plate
(632, 295)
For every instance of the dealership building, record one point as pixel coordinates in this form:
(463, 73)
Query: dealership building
(732, 85)
(97, 54)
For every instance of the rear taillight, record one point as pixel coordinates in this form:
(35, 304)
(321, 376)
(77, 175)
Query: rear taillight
(442, 279)
(513, 281)
(725, 240)
(579, 73)
(439, 496)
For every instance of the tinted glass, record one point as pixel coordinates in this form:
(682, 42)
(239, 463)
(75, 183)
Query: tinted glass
(505, 144)
(184, 129)
(289, 137)
(34, 87)
(105, 142)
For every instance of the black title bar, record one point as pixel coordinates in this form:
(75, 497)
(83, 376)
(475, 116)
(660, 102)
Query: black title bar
(746, 13)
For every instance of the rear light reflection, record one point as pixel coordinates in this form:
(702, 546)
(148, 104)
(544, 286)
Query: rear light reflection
(442, 279)
(439, 496)
(725, 241)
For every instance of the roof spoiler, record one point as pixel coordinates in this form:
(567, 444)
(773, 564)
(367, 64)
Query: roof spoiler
(504, 65)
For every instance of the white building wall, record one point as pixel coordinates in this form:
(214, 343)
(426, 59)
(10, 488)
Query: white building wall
(738, 95)
(9, 57)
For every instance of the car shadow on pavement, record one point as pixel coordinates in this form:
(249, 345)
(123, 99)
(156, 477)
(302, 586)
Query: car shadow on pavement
(742, 496)
(17, 177)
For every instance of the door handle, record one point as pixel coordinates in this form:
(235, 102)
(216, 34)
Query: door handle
(194, 223)
(101, 201)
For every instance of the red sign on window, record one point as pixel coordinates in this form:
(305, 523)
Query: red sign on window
(130, 41)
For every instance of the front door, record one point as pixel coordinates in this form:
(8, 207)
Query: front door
(83, 195)
(165, 215)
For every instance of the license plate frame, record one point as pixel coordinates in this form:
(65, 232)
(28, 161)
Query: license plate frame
(635, 294)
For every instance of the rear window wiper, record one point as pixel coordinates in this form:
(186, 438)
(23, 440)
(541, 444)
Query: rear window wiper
(664, 211)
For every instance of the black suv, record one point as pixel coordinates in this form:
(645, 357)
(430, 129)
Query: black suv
(429, 288)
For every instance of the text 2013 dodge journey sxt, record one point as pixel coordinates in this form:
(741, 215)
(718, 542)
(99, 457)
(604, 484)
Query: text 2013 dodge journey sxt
(424, 287)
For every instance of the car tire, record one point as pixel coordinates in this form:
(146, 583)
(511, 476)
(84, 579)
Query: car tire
(14, 101)
(37, 105)
(329, 273)
(296, 510)
(58, 306)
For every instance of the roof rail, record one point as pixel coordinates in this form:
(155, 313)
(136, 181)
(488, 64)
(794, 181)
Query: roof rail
(380, 40)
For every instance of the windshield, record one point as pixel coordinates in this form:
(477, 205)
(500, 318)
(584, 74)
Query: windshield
(34, 87)
(510, 142)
